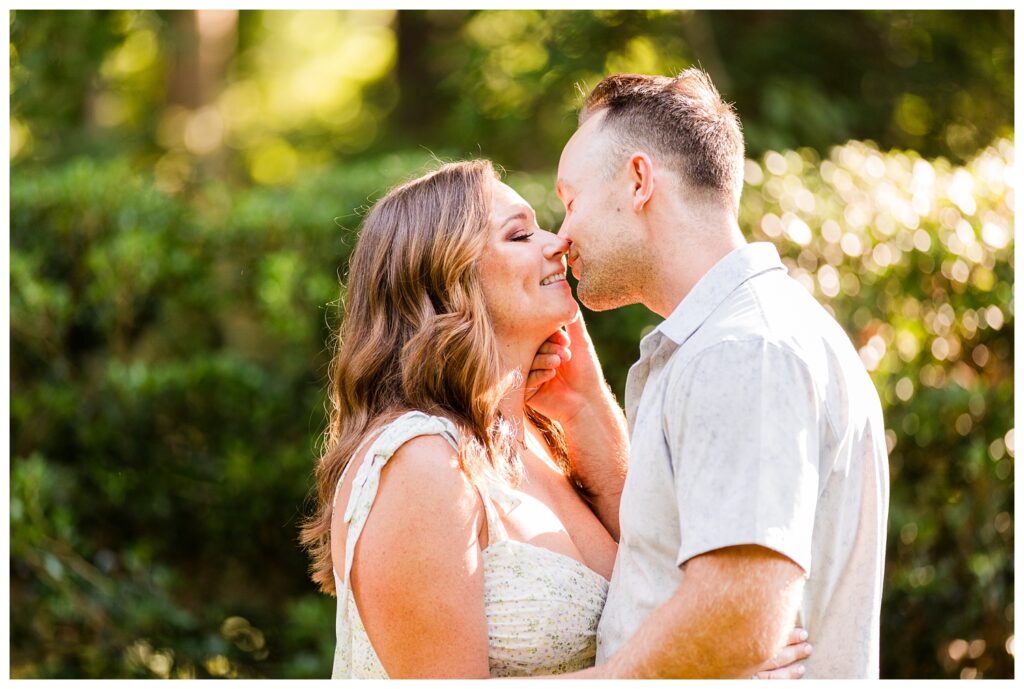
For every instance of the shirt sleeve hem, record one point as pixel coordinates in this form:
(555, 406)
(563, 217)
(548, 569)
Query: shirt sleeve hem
(800, 556)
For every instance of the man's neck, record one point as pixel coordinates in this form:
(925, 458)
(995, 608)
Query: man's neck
(680, 264)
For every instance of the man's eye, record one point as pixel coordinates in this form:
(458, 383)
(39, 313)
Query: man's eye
(522, 237)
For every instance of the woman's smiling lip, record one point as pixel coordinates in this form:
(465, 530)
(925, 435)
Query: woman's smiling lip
(553, 278)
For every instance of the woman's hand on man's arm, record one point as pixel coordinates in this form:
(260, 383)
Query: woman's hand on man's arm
(788, 663)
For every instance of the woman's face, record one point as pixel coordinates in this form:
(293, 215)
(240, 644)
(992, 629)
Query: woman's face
(522, 271)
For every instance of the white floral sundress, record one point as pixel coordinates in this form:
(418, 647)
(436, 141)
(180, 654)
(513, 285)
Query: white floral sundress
(542, 607)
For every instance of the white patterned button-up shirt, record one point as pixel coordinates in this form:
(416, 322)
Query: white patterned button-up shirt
(753, 421)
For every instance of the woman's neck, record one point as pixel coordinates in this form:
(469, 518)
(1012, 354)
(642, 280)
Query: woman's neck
(517, 358)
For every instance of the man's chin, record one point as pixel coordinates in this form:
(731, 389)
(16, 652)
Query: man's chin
(600, 299)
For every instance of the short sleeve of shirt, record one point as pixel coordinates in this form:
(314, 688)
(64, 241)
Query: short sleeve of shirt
(742, 422)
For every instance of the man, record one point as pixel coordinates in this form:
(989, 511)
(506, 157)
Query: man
(757, 488)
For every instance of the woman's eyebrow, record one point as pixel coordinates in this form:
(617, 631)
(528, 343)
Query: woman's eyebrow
(521, 215)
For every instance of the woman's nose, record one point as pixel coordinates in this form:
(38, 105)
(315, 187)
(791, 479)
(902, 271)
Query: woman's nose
(557, 247)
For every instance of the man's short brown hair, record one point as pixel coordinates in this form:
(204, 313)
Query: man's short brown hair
(684, 119)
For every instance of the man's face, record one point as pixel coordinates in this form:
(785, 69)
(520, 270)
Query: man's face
(606, 255)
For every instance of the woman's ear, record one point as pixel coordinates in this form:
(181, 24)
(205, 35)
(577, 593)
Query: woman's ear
(641, 172)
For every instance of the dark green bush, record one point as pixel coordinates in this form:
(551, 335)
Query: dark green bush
(168, 364)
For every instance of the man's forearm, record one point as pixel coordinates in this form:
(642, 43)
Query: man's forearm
(684, 640)
(726, 620)
(598, 445)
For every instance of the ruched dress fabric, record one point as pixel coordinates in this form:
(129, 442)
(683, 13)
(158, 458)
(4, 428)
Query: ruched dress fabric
(542, 607)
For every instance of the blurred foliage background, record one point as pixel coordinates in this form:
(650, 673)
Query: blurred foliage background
(185, 190)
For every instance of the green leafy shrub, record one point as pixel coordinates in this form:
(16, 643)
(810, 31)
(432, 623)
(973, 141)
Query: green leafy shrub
(167, 395)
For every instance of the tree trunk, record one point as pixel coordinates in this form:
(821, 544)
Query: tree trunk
(417, 82)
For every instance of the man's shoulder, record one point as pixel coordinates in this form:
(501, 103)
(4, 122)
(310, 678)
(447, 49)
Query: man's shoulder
(774, 340)
(763, 309)
(778, 312)
(725, 355)
(760, 351)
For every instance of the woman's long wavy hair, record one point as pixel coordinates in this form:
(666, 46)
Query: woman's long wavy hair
(416, 335)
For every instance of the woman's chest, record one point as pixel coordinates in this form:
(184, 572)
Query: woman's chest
(547, 512)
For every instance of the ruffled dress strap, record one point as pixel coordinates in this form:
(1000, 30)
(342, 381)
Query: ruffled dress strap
(495, 492)
(496, 532)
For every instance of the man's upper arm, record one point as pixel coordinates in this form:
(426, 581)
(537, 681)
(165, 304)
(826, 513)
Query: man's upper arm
(741, 420)
(418, 574)
(752, 594)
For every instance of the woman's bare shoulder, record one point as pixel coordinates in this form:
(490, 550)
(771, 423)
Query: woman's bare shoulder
(421, 479)
(417, 575)
(424, 477)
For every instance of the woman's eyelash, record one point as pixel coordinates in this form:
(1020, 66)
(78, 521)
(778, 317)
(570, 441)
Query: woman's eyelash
(522, 237)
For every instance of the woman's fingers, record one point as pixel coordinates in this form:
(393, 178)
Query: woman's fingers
(788, 662)
(796, 635)
(790, 655)
(787, 672)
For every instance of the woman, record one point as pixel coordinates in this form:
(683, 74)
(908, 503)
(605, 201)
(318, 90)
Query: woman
(459, 545)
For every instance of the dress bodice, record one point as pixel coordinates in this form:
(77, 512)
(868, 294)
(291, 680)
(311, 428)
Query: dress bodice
(542, 607)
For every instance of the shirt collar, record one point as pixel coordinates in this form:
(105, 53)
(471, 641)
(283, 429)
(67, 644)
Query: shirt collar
(730, 272)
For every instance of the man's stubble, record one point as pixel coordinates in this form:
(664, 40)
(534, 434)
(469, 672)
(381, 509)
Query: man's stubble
(615, 276)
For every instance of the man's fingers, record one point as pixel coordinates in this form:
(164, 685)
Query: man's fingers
(545, 361)
(551, 348)
(559, 338)
(537, 378)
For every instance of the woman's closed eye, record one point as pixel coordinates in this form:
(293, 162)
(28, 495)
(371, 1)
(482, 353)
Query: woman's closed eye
(522, 236)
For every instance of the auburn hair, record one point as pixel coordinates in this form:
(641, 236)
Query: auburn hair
(416, 335)
(683, 118)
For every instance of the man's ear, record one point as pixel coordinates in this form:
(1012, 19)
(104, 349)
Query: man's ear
(641, 173)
